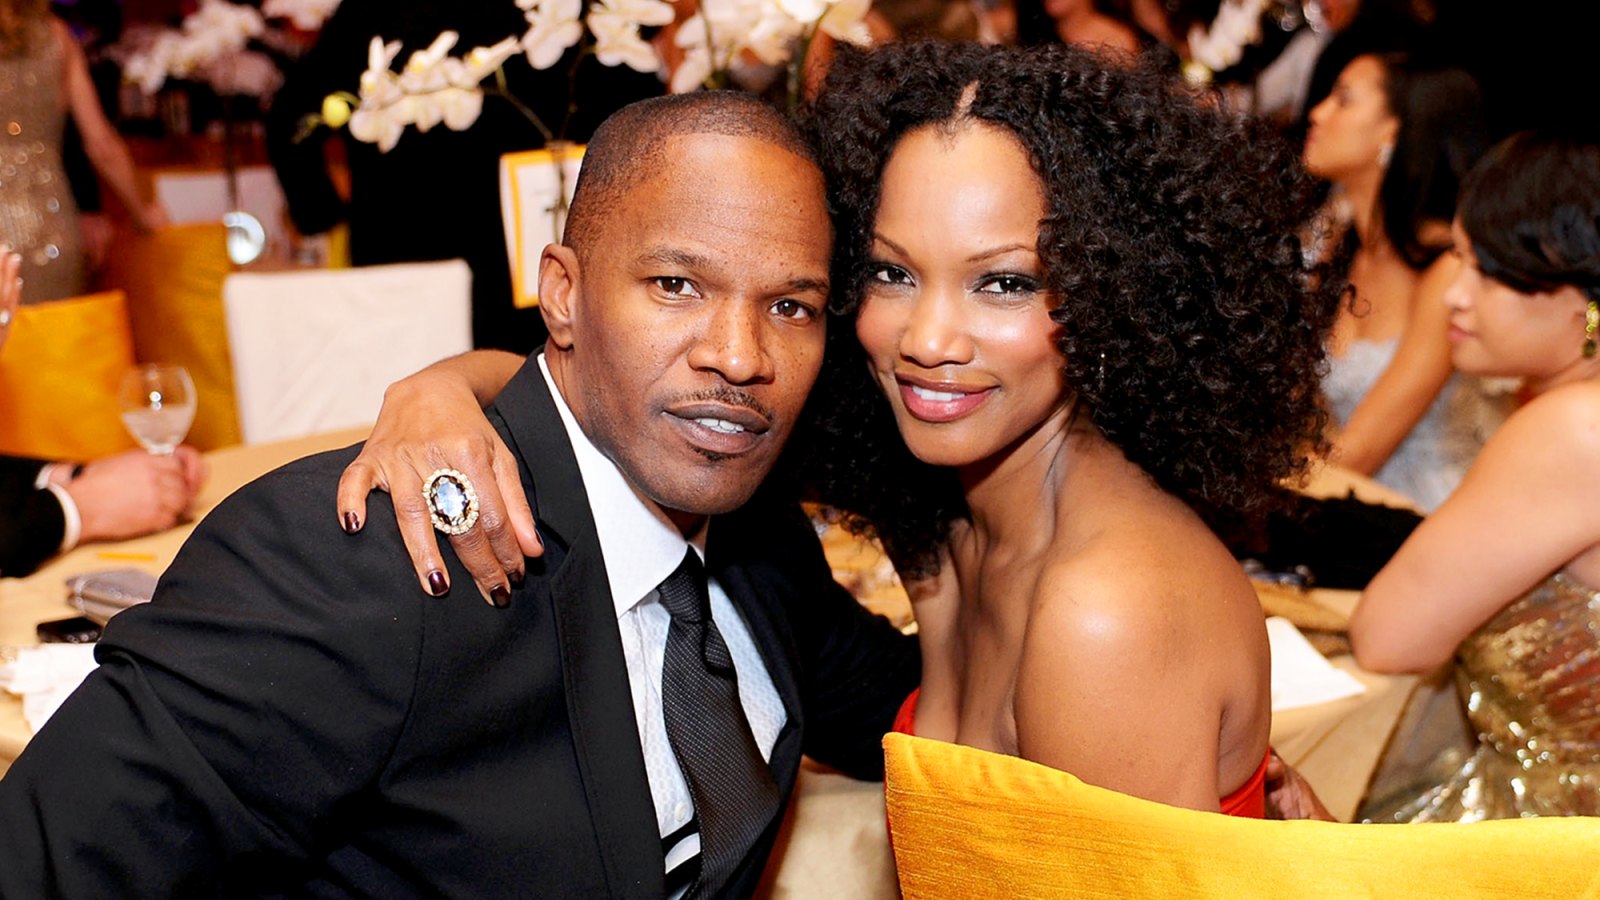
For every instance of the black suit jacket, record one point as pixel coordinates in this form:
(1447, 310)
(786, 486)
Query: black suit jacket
(31, 521)
(291, 715)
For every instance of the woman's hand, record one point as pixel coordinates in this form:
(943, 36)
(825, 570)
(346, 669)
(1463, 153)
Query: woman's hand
(431, 421)
(10, 290)
(1289, 794)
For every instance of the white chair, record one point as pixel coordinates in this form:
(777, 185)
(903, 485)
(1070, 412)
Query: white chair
(313, 350)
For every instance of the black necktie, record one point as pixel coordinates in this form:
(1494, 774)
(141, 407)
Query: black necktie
(734, 795)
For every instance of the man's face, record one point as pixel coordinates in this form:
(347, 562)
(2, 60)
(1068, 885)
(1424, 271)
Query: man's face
(696, 321)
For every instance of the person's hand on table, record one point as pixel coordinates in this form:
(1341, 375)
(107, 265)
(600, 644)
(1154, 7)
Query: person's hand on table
(135, 493)
(1289, 795)
(10, 291)
(432, 421)
(151, 217)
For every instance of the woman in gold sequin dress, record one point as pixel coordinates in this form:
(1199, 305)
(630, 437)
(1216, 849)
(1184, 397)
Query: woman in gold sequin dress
(43, 77)
(1504, 575)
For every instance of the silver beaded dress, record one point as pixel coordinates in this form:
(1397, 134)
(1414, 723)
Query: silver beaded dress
(1530, 679)
(38, 217)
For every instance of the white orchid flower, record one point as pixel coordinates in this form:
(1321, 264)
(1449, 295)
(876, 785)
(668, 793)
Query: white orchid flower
(424, 71)
(640, 12)
(553, 26)
(692, 71)
(307, 15)
(617, 42)
(473, 68)
(806, 11)
(460, 107)
(846, 20)
(378, 126)
(772, 38)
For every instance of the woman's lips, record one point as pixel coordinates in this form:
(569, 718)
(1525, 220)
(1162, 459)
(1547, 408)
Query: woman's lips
(941, 403)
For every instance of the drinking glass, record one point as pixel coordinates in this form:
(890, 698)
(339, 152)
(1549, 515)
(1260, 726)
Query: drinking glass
(157, 406)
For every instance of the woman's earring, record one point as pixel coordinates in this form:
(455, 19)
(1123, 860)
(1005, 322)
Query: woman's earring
(1591, 324)
(1385, 153)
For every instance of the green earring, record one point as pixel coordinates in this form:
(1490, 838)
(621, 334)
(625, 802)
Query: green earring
(1591, 324)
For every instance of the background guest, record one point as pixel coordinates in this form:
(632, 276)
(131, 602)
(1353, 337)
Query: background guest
(42, 76)
(1395, 138)
(1503, 575)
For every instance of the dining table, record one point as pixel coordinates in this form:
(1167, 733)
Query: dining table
(833, 841)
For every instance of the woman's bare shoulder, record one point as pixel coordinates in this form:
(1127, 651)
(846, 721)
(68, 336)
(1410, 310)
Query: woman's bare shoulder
(1139, 589)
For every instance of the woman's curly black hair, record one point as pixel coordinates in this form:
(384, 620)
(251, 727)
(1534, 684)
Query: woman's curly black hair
(1192, 327)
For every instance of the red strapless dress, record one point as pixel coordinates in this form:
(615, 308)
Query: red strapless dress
(1249, 801)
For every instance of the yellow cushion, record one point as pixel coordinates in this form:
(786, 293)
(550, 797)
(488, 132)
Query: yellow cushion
(968, 823)
(173, 278)
(58, 378)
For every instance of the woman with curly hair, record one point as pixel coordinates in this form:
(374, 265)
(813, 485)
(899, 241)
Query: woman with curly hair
(1396, 137)
(1073, 334)
(1503, 577)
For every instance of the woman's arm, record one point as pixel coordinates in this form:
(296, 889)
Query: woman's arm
(1526, 508)
(101, 142)
(434, 420)
(1402, 394)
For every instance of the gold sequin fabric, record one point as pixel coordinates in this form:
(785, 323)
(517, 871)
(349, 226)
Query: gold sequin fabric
(1530, 678)
(38, 216)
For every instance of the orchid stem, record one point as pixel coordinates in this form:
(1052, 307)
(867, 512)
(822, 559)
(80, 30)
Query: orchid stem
(501, 90)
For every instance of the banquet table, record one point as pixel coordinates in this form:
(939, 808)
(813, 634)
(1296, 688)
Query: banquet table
(834, 842)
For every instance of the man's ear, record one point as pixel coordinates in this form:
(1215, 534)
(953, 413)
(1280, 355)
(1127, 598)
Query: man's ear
(558, 291)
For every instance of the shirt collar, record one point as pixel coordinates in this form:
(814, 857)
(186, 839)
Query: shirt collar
(640, 550)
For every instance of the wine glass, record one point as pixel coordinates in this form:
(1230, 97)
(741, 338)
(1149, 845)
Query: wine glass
(157, 404)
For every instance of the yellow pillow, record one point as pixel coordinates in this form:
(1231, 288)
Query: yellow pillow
(968, 823)
(173, 278)
(58, 378)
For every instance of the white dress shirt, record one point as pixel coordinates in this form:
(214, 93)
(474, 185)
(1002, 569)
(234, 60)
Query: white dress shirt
(640, 550)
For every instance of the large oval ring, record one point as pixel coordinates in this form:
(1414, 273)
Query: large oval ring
(452, 502)
(5, 317)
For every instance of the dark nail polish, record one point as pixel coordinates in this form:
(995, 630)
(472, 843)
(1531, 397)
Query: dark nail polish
(517, 578)
(500, 596)
(351, 523)
(437, 586)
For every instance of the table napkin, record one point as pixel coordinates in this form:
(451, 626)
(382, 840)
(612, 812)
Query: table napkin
(44, 676)
(1300, 675)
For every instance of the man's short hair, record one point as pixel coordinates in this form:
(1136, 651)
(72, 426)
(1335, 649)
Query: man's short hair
(630, 146)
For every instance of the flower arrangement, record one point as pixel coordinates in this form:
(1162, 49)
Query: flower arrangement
(434, 87)
(212, 45)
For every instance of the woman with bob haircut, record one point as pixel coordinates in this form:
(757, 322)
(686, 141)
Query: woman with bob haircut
(1501, 577)
(1073, 337)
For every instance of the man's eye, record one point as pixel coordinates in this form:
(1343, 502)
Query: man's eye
(679, 287)
(793, 309)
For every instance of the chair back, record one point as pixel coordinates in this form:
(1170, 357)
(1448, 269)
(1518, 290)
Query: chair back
(969, 823)
(59, 375)
(313, 351)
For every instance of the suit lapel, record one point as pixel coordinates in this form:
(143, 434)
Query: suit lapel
(604, 732)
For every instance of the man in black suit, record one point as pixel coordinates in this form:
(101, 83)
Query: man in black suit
(291, 716)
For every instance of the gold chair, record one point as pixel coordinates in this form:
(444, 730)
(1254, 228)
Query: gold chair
(59, 375)
(969, 823)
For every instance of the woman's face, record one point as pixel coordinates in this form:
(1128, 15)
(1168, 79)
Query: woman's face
(1497, 330)
(955, 319)
(1349, 128)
